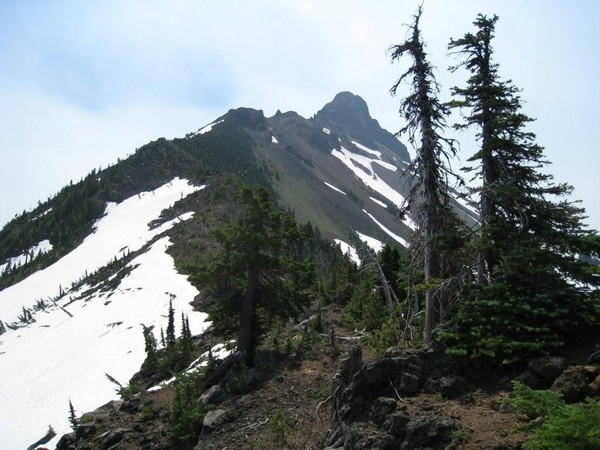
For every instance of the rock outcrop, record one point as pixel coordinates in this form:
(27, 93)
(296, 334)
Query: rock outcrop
(366, 411)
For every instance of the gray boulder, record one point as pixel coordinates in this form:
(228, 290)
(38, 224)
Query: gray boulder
(549, 367)
(213, 395)
(214, 419)
(428, 432)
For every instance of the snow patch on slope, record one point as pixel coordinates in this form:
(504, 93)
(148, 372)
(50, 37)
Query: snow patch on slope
(379, 202)
(367, 149)
(334, 188)
(32, 253)
(123, 228)
(467, 205)
(387, 231)
(207, 128)
(362, 167)
(348, 250)
(65, 353)
(409, 223)
(375, 244)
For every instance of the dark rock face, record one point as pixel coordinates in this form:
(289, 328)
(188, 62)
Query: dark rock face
(542, 372)
(578, 382)
(549, 367)
(428, 432)
(398, 376)
(373, 395)
(350, 112)
(131, 406)
(113, 437)
(381, 408)
(67, 442)
(247, 117)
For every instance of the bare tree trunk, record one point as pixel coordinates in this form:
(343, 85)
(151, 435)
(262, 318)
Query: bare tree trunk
(488, 175)
(388, 292)
(245, 343)
(429, 211)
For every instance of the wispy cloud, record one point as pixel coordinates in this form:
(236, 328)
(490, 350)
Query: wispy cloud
(101, 78)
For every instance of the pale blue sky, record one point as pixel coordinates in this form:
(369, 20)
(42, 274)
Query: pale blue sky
(83, 83)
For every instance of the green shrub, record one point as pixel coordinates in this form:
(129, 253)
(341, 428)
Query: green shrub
(572, 426)
(147, 413)
(534, 403)
(560, 426)
(187, 412)
(125, 392)
(390, 334)
(279, 435)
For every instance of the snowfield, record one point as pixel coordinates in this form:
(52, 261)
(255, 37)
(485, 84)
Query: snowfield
(39, 249)
(64, 354)
(348, 250)
(387, 231)
(362, 167)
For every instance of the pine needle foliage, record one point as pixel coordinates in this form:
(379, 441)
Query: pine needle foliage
(532, 287)
(558, 425)
(73, 417)
(260, 274)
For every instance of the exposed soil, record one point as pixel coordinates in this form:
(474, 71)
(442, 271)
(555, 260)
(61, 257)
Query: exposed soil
(299, 390)
(289, 406)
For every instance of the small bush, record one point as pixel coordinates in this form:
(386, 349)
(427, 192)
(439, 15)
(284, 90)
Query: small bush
(279, 435)
(534, 403)
(187, 412)
(147, 413)
(390, 334)
(561, 426)
(572, 426)
(125, 392)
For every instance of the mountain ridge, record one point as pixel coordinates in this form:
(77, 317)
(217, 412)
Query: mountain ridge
(159, 161)
(347, 183)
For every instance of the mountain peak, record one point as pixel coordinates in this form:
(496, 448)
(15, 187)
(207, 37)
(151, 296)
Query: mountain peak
(349, 110)
(350, 113)
(248, 117)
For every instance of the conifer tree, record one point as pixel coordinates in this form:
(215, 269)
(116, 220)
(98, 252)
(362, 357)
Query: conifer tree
(186, 344)
(257, 269)
(150, 346)
(532, 286)
(73, 417)
(428, 200)
(171, 326)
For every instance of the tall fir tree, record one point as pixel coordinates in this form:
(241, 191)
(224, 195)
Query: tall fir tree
(170, 339)
(258, 271)
(533, 289)
(151, 347)
(73, 421)
(428, 201)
